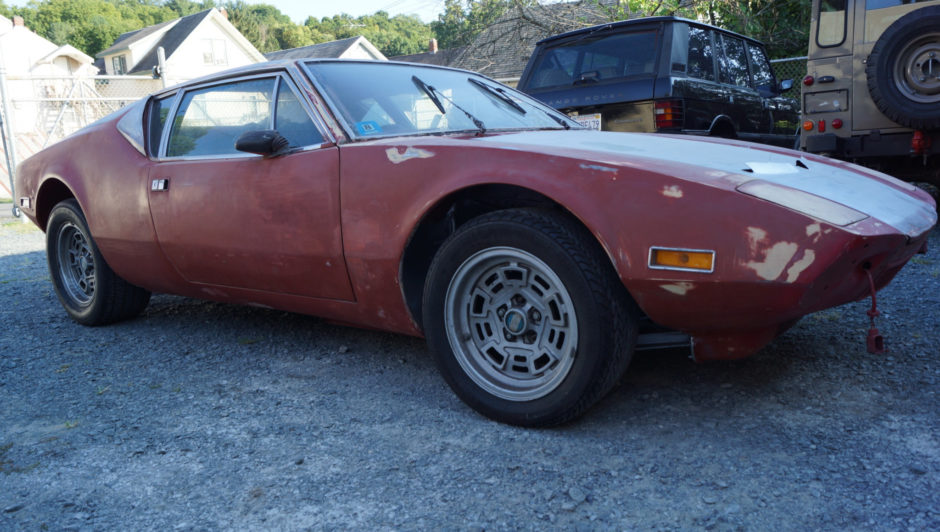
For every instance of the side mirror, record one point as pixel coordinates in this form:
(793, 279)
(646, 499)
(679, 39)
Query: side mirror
(786, 85)
(266, 142)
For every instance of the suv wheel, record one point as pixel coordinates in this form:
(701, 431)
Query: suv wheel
(904, 70)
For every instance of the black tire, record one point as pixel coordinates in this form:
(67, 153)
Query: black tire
(89, 290)
(541, 283)
(902, 75)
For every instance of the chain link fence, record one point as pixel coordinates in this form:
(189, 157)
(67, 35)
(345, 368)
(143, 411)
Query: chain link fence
(44, 110)
(791, 68)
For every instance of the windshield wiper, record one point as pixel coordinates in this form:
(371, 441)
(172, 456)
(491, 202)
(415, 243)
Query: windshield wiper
(497, 93)
(433, 95)
(430, 91)
(558, 119)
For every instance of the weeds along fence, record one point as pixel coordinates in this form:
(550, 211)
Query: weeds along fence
(39, 111)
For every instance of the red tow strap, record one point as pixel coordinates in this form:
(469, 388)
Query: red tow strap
(876, 344)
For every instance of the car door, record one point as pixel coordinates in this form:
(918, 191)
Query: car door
(745, 106)
(781, 111)
(233, 219)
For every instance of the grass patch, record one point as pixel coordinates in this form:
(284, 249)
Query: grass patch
(16, 225)
(922, 260)
(828, 315)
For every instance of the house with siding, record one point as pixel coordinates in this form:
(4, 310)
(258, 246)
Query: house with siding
(194, 45)
(35, 70)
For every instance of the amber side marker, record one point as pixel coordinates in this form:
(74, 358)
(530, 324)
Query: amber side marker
(686, 260)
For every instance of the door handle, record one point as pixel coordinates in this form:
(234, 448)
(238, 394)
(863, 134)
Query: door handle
(160, 184)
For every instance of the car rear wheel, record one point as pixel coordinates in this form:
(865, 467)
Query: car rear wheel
(89, 290)
(526, 319)
(904, 70)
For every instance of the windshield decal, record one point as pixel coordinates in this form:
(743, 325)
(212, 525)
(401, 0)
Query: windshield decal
(368, 127)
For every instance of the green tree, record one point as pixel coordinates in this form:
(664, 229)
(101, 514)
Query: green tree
(462, 21)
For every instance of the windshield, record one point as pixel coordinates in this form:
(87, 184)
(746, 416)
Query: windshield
(382, 99)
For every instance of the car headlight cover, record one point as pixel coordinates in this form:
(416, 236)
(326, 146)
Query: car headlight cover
(804, 202)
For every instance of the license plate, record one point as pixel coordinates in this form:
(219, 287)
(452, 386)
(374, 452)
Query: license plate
(589, 121)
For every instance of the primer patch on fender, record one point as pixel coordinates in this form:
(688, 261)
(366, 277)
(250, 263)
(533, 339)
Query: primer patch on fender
(599, 168)
(680, 289)
(672, 191)
(798, 267)
(396, 156)
(775, 260)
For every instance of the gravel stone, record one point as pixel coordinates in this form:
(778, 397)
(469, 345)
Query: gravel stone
(205, 416)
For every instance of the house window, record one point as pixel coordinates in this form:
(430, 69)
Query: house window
(118, 65)
(213, 52)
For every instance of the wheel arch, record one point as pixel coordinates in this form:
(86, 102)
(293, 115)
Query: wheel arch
(52, 192)
(722, 126)
(455, 210)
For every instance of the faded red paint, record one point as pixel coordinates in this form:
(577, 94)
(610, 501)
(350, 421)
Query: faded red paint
(322, 232)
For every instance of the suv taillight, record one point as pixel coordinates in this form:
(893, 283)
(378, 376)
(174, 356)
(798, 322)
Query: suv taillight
(668, 114)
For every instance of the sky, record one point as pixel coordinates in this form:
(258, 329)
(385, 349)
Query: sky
(299, 10)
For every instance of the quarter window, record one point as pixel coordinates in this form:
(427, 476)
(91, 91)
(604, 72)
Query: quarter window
(210, 120)
(734, 62)
(159, 111)
(701, 55)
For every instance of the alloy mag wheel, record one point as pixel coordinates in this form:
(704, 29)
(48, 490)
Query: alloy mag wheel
(76, 263)
(511, 323)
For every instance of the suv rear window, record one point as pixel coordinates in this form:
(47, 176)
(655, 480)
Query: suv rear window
(598, 59)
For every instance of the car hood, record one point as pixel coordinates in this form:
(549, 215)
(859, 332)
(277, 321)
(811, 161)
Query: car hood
(731, 164)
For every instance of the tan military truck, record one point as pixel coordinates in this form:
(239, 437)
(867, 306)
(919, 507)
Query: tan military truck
(872, 90)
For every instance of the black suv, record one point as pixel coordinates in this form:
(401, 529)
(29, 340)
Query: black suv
(664, 74)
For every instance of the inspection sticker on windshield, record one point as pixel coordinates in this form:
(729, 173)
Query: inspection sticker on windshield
(592, 121)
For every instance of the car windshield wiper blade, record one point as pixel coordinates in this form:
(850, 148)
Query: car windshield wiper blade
(497, 93)
(434, 94)
(430, 91)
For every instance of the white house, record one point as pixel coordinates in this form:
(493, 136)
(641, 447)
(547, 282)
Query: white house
(194, 45)
(34, 68)
(351, 48)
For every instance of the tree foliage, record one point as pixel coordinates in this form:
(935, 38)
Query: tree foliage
(92, 25)
(783, 25)
(398, 35)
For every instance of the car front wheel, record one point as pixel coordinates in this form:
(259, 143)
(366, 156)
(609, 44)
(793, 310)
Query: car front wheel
(526, 318)
(89, 290)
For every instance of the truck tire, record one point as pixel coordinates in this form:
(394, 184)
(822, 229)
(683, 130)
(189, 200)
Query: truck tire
(904, 70)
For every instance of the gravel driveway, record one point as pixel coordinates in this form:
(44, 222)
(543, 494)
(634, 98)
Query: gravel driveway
(207, 416)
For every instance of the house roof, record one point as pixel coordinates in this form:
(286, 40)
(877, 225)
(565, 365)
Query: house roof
(502, 50)
(171, 40)
(69, 51)
(125, 40)
(440, 58)
(325, 50)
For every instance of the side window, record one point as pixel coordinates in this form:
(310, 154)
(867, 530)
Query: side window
(159, 110)
(830, 30)
(292, 121)
(701, 54)
(761, 72)
(209, 120)
(733, 62)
